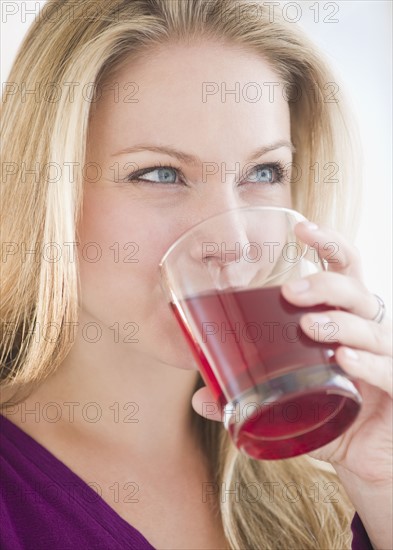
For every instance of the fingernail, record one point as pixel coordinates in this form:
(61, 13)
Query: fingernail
(319, 318)
(299, 286)
(311, 226)
(351, 354)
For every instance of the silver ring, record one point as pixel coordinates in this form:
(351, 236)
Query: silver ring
(381, 311)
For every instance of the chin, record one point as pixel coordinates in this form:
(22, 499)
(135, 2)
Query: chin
(183, 361)
(177, 354)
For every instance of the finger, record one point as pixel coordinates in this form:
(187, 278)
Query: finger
(374, 369)
(204, 404)
(340, 255)
(334, 289)
(348, 329)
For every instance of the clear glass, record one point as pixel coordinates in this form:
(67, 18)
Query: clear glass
(283, 393)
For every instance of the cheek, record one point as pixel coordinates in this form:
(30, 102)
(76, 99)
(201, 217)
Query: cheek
(121, 243)
(123, 286)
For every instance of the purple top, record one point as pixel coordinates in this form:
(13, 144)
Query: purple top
(44, 504)
(360, 539)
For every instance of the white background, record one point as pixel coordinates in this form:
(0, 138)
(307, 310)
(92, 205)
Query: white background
(359, 46)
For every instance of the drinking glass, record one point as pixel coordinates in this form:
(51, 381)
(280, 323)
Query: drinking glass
(282, 393)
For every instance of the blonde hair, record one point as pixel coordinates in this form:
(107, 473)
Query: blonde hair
(66, 47)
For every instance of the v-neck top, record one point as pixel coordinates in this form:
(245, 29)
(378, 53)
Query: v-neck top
(44, 504)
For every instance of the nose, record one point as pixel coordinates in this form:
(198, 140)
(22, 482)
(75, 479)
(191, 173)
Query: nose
(219, 238)
(221, 243)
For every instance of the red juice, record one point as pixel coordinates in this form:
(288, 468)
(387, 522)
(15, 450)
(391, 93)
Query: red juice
(247, 338)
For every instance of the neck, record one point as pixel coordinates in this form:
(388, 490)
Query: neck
(105, 393)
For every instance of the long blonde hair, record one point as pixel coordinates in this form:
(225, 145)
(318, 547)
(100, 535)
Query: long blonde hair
(67, 46)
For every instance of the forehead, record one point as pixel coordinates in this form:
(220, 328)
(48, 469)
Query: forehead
(183, 94)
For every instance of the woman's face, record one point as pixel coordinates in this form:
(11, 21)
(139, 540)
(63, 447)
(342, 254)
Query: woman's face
(215, 106)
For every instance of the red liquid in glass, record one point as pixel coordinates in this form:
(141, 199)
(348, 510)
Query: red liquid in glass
(250, 337)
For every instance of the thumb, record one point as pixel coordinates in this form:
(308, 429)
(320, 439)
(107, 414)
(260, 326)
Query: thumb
(204, 404)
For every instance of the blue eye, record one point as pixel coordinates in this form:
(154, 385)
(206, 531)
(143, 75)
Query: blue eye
(267, 173)
(166, 174)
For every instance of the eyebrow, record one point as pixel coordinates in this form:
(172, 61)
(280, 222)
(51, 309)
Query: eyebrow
(194, 160)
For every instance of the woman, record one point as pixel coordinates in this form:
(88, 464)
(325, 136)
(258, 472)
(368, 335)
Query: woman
(101, 447)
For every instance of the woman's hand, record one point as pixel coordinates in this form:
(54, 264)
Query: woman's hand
(365, 354)
(362, 455)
